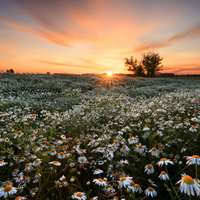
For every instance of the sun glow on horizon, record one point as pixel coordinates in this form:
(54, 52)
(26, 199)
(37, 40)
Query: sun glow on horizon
(109, 73)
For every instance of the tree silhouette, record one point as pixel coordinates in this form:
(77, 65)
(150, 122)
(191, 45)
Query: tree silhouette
(135, 66)
(149, 66)
(11, 71)
(152, 63)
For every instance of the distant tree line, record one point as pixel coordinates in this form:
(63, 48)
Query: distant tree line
(148, 66)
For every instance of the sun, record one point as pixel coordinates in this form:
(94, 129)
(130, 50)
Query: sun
(109, 78)
(109, 73)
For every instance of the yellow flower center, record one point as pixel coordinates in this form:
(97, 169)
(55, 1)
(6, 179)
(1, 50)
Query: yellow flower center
(139, 146)
(163, 159)
(163, 172)
(19, 197)
(195, 156)
(149, 166)
(79, 194)
(188, 180)
(137, 185)
(122, 179)
(100, 179)
(1, 161)
(55, 162)
(150, 188)
(8, 188)
(154, 149)
(132, 183)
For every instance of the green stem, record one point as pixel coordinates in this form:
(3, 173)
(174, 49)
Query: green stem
(171, 183)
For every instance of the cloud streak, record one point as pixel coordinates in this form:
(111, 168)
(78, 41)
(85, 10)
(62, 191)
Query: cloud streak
(186, 36)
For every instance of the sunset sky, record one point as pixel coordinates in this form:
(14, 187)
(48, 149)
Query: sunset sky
(94, 36)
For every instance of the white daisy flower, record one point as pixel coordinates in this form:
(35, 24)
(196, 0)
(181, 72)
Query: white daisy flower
(124, 181)
(100, 182)
(79, 196)
(138, 188)
(164, 161)
(7, 190)
(97, 171)
(150, 192)
(82, 159)
(149, 169)
(154, 151)
(140, 148)
(2, 163)
(189, 185)
(61, 155)
(37, 162)
(131, 187)
(133, 140)
(20, 198)
(195, 159)
(163, 176)
(56, 163)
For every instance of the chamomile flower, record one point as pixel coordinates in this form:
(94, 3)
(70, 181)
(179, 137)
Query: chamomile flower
(124, 181)
(2, 163)
(164, 161)
(154, 151)
(163, 176)
(100, 182)
(131, 187)
(149, 169)
(140, 148)
(20, 198)
(150, 192)
(97, 171)
(7, 190)
(79, 196)
(138, 188)
(189, 185)
(195, 159)
(56, 163)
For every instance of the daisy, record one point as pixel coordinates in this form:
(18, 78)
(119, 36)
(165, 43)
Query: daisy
(20, 198)
(131, 187)
(124, 181)
(163, 176)
(195, 159)
(2, 163)
(82, 159)
(140, 148)
(97, 171)
(164, 161)
(149, 169)
(189, 185)
(37, 162)
(100, 182)
(56, 163)
(150, 192)
(7, 190)
(79, 196)
(133, 140)
(61, 155)
(154, 151)
(138, 188)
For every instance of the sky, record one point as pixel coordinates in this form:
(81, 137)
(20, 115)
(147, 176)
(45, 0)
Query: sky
(95, 36)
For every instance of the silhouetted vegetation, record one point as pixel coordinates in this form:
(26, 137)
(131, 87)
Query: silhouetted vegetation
(149, 65)
(11, 71)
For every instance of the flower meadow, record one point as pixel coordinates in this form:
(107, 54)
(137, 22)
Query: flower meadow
(64, 137)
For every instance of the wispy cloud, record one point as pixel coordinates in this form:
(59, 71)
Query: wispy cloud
(183, 37)
(6, 50)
